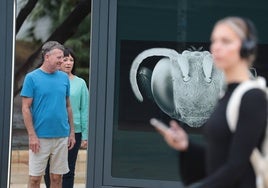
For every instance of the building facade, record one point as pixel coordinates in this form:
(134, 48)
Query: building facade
(124, 149)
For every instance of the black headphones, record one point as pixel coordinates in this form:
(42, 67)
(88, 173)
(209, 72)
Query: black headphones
(249, 44)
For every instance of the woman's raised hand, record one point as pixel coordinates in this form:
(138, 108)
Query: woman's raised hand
(175, 136)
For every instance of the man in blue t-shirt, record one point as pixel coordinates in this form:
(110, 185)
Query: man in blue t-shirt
(48, 117)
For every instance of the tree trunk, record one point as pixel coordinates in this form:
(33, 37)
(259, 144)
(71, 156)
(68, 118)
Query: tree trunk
(61, 34)
(24, 13)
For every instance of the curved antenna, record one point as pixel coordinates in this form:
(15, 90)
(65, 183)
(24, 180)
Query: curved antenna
(207, 67)
(171, 54)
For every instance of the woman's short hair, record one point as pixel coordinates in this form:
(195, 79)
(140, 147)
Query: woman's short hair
(68, 51)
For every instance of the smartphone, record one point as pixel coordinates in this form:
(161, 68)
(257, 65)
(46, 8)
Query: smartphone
(158, 124)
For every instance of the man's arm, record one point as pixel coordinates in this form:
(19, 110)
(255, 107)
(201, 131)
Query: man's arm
(71, 140)
(34, 143)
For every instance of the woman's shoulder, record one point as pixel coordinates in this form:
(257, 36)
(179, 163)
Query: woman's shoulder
(79, 80)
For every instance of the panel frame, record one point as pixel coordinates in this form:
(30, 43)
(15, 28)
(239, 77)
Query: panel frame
(7, 49)
(102, 81)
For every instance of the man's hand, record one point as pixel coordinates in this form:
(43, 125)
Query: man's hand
(34, 143)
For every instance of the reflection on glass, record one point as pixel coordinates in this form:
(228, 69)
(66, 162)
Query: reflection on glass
(138, 152)
(36, 23)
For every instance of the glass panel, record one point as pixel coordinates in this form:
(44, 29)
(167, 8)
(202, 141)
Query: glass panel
(38, 21)
(138, 151)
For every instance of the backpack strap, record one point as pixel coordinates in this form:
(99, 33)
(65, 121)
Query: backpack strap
(233, 106)
(259, 160)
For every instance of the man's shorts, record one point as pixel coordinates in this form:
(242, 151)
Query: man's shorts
(54, 148)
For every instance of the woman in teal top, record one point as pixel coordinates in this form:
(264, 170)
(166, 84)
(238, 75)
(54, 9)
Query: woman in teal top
(79, 97)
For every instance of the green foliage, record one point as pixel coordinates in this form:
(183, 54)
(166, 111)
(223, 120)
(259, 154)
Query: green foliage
(80, 43)
(57, 11)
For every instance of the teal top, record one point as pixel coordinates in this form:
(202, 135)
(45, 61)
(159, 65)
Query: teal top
(79, 97)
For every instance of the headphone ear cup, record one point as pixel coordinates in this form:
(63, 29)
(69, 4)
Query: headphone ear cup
(249, 45)
(248, 48)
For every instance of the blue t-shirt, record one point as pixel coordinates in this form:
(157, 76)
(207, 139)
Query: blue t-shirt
(49, 112)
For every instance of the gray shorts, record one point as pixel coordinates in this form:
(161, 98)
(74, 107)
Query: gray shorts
(57, 150)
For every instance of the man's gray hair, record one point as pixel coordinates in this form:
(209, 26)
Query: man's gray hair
(51, 45)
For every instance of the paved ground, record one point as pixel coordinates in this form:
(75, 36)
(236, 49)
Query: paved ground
(19, 169)
(19, 160)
